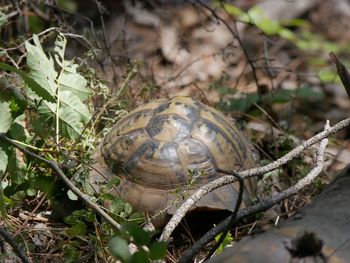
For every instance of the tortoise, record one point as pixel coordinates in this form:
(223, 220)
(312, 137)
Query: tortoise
(164, 150)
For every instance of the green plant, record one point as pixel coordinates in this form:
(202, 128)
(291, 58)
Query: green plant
(297, 31)
(53, 96)
(244, 102)
(48, 112)
(227, 241)
(305, 39)
(147, 249)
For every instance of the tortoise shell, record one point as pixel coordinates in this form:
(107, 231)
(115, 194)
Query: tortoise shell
(166, 149)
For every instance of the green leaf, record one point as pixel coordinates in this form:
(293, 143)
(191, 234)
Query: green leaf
(112, 182)
(45, 184)
(72, 195)
(60, 48)
(89, 216)
(117, 205)
(35, 86)
(244, 103)
(139, 257)
(327, 76)
(287, 34)
(9, 92)
(157, 250)
(70, 254)
(258, 17)
(17, 130)
(16, 168)
(78, 229)
(3, 160)
(3, 19)
(282, 96)
(231, 9)
(43, 125)
(31, 192)
(295, 22)
(72, 219)
(14, 106)
(14, 188)
(137, 217)
(140, 236)
(119, 249)
(2, 202)
(68, 84)
(68, 5)
(227, 240)
(310, 94)
(42, 68)
(74, 103)
(71, 80)
(128, 208)
(36, 24)
(6, 116)
(305, 93)
(106, 197)
(73, 114)
(71, 124)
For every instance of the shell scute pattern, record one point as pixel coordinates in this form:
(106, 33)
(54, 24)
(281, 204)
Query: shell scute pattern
(153, 147)
(132, 122)
(224, 151)
(183, 108)
(118, 151)
(168, 128)
(229, 128)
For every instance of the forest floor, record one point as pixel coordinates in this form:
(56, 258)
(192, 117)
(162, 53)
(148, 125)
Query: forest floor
(273, 75)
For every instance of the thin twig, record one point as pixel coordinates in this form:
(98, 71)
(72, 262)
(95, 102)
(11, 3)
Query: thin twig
(24, 224)
(79, 16)
(115, 95)
(100, 10)
(342, 72)
(7, 237)
(235, 34)
(228, 179)
(264, 204)
(29, 39)
(54, 165)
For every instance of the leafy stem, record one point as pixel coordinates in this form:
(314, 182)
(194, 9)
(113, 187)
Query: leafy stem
(57, 114)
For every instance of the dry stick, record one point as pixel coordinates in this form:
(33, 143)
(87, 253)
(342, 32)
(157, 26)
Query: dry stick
(60, 173)
(105, 40)
(264, 204)
(342, 72)
(24, 224)
(180, 213)
(100, 11)
(8, 239)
